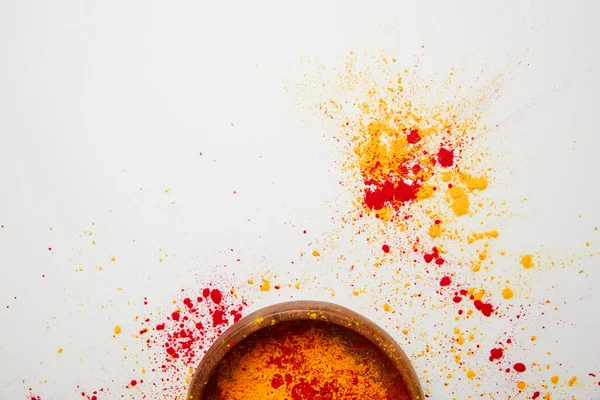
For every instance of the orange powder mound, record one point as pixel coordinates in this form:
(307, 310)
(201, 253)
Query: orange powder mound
(306, 360)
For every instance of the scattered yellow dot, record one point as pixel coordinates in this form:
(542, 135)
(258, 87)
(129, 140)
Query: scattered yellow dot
(266, 285)
(554, 379)
(507, 293)
(250, 281)
(50, 228)
(316, 253)
(572, 381)
(117, 330)
(355, 292)
(113, 259)
(587, 244)
(386, 307)
(527, 261)
(533, 338)
(470, 374)
(521, 385)
(60, 350)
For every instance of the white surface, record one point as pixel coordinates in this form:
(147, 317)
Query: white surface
(105, 105)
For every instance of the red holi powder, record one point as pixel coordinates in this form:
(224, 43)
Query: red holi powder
(413, 136)
(519, 367)
(216, 296)
(180, 339)
(381, 194)
(277, 381)
(143, 331)
(496, 354)
(433, 256)
(385, 248)
(445, 157)
(133, 382)
(535, 395)
(445, 281)
(485, 308)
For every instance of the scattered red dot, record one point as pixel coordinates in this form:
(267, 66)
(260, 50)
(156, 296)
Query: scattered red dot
(445, 157)
(496, 354)
(385, 248)
(535, 395)
(49, 248)
(133, 382)
(216, 296)
(519, 367)
(445, 281)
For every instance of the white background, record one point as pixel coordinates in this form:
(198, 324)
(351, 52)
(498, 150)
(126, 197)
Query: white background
(104, 105)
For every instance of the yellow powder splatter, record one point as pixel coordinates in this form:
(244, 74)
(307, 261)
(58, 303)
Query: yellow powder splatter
(117, 330)
(316, 253)
(60, 350)
(572, 381)
(113, 259)
(266, 285)
(460, 340)
(507, 293)
(470, 374)
(434, 230)
(554, 379)
(521, 385)
(250, 281)
(386, 307)
(527, 261)
(459, 200)
(472, 183)
(533, 338)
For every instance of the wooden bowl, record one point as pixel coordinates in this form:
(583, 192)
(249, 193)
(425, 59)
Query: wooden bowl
(297, 311)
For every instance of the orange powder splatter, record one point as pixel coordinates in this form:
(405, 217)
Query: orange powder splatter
(527, 261)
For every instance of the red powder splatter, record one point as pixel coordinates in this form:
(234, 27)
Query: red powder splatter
(519, 367)
(496, 354)
(485, 308)
(216, 296)
(143, 331)
(277, 381)
(434, 255)
(445, 281)
(380, 194)
(133, 382)
(413, 136)
(535, 395)
(180, 339)
(445, 157)
(385, 248)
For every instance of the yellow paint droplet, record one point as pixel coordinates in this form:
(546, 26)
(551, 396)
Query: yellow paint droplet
(587, 244)
(470, 374)
(527, 261)
(533, 338)
(50, 228)
(266, 285)
(572, 381)
(250, 281)
(117, 330)
(521, 385)
(60, 350)
(460, 340)
(355, 292)
(554, 379)
(507, 293)
(297, 285)
(113, 259)
(386, 307)
(316, 253)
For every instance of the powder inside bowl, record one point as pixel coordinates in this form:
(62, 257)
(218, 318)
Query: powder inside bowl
(302, 360)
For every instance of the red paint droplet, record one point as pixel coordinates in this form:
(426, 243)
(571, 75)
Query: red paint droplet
(428, 258)
(445, 281)
(206, 292)
(175, 315)
(385, 248)
(457, 299)
(485, 308)
(216, 296)
(535, 395)
(143, 331)
(445, 157)
(188, 302)
(218, 318)
(160, 327)
(50, 248)
(133, 382)
(496, 354)
(519, 367)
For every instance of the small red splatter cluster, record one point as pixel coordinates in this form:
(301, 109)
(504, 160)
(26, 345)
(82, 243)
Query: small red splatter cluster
(92, 396)
(496, 354)
(485, 308)
(434, 256)
(380, 194)
(189, 330)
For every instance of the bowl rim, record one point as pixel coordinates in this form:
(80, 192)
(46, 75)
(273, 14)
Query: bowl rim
(303, 310)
